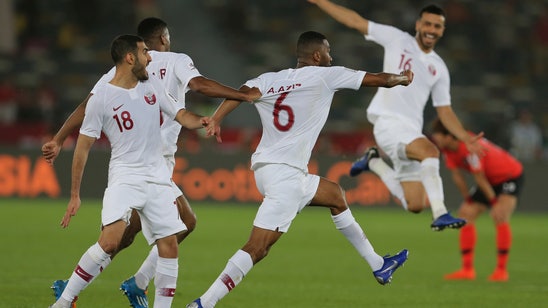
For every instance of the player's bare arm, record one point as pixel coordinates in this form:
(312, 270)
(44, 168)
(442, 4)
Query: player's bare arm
(453, 124)
(212, 88)
(345, 16)
(79, 160)
(387, 80)
(190, 120)
(51, 149)
(460, 182)
(485, 186)
(214, 127)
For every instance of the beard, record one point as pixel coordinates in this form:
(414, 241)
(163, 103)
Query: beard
(427, 41)
(140, 72)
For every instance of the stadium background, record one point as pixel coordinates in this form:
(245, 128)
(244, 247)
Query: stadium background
(52, 52)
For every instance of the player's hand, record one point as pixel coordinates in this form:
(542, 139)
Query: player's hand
(72, 209)
(253, 94)
(409, 74)
(50, 151)
(213, 128)
(474, 146)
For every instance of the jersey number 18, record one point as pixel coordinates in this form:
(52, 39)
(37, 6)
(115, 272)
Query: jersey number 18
(126, 121)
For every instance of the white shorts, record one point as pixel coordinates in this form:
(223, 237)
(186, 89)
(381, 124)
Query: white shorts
(286, 190)
(170, 162)
(154, 203)
(392, 133)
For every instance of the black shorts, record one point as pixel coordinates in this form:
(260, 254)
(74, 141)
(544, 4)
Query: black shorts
(510, 187)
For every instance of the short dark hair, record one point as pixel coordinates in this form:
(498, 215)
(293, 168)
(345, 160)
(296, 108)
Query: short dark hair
(432, 9)
(438, 127)
(150, 27)
(122, 45)
(308, 41)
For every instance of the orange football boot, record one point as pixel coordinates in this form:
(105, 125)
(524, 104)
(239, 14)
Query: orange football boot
(462, 274)
(499, 275)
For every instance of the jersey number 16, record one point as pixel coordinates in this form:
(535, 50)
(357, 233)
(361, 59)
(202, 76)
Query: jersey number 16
(405, 64)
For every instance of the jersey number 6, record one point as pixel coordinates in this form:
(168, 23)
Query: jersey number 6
(278, 107)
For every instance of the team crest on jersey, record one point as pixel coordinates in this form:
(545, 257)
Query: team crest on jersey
(150, 98)
(432, 69)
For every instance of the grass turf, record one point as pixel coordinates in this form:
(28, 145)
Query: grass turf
(311, 266)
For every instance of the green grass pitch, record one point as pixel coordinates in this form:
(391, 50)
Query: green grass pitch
(311, 266)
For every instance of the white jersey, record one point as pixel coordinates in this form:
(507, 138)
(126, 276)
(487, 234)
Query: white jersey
(174, 70)
(294, 107)
(130, 118)
(401, 52)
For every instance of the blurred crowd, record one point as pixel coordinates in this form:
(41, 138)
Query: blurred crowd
(496, 51)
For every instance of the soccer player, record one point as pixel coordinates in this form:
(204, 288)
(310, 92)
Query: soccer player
(498, 180)
(293, 109)
(397, 114)
(178, 74)
(126, 110)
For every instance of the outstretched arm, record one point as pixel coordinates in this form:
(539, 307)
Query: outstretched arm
(190, 120)
(387, 80)
(50, 149)
(454, 126)
(213, 88)
(345, 16)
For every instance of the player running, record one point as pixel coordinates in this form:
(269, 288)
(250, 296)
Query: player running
(126, 110)
(397, 114)
(177, 73)
(294, 107)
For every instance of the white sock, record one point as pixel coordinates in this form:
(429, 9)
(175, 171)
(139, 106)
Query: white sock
(61, 303)
(147, 270)
(431, 180)
(388, 176)
(105, 263)
(101, 268)
(237, 267)
(346, 223)
(165, 281)
(89, 266)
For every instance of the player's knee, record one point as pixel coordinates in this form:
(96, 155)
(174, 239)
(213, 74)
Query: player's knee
(432, 152)
(168, 247)
(257, 252)
(109, 246)
(414, 207)
(337, 200)
(260, 254)
(500, 219)
(190, 222)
